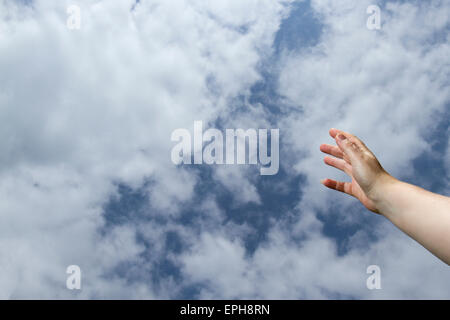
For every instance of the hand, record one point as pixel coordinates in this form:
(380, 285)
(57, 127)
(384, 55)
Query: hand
(353, 157)
(423, 215)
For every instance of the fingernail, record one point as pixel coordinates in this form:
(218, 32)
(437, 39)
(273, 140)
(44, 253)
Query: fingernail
(341, 137)
(322, 181)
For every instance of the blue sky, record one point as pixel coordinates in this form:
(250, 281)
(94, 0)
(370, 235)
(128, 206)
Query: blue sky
(299, 31)
(87, 177)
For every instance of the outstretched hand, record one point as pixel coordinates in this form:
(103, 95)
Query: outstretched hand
(423, 215)
(353, 157)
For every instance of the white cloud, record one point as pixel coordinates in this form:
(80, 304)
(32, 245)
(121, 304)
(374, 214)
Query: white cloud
(388, 87)
(84, 109)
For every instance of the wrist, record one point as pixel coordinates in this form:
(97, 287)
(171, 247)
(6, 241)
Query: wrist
(380, 189)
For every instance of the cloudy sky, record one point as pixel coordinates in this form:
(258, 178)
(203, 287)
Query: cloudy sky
(86, 117)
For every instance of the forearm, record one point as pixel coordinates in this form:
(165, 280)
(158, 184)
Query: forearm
(423, 215)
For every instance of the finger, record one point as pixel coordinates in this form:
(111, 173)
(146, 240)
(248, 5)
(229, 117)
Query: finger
(341, 186)
(332, 150)
(338, 164)
(354, 139)
(333, 132)
(347, 144)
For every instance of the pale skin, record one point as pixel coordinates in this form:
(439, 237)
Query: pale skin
(423, 215)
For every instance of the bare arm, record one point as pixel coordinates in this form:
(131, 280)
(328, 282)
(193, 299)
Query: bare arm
(423, 215)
